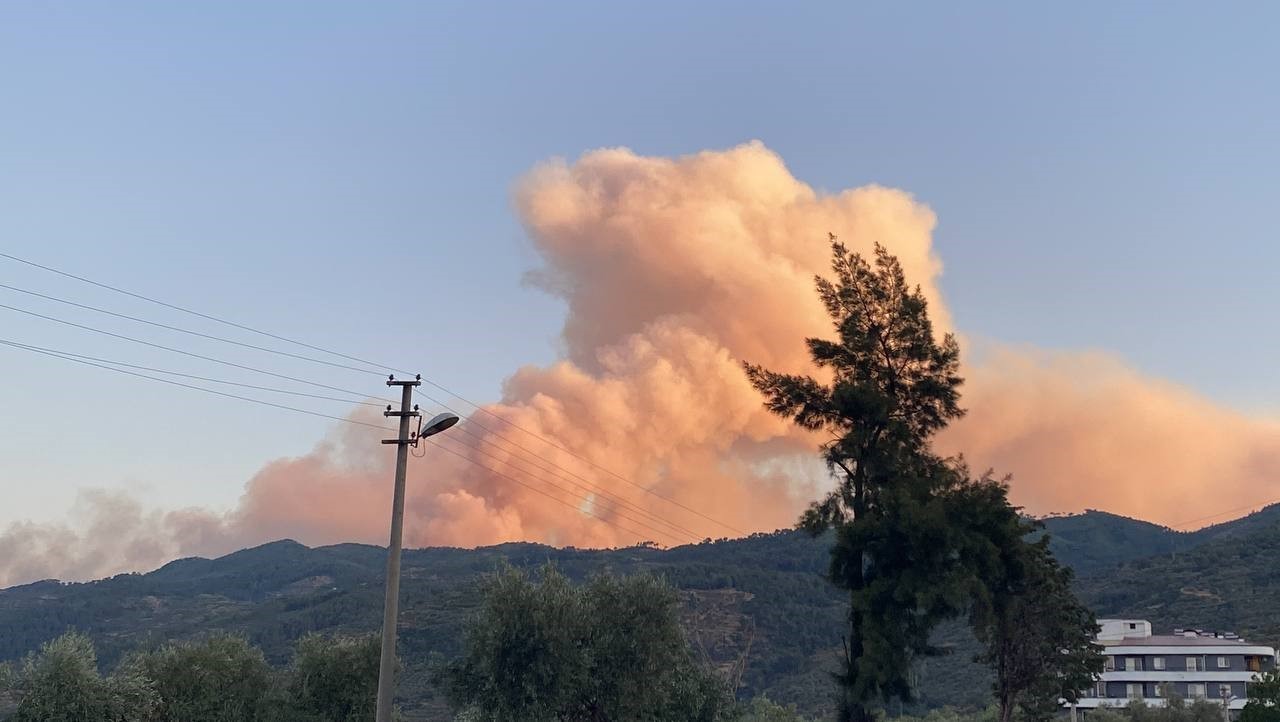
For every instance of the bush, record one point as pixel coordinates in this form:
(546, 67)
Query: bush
(335, 679)
(61, 683)
(610, 649)
(763, 709)
(220, 679)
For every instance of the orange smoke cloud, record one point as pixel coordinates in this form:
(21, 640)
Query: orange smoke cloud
(1081, 430)
(107, 532)
(673, 272)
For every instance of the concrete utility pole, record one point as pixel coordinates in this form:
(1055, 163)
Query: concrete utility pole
(391, 606)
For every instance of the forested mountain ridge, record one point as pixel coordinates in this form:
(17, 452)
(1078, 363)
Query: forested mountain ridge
(1230, 583)
(757, 607)
(1094, 540)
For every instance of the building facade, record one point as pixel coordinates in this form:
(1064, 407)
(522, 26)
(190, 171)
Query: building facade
(1192, 663)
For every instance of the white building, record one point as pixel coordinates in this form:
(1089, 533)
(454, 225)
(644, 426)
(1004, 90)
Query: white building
(1192, 663)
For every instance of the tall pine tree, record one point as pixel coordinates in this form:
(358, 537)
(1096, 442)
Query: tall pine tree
(893, 385)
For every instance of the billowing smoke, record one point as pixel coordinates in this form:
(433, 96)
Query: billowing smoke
(107, 532)
(673, 271)
(1082, 430)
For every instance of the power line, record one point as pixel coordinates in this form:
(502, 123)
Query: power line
(1258, 506)
(379, 427)
(585, 484)
(187, 331)
(158, 302)
(513, 480)
(585, 498)
(684, 530)
(195, 377)
(98, 361)
(598, 489)
(193, 386)
(580, 483)
(367, 362)
(180, 351)
(575, 455)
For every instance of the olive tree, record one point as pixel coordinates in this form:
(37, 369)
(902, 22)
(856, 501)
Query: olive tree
(609, 650)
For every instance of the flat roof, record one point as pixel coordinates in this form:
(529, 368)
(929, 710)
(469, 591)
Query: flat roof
(1177, 640)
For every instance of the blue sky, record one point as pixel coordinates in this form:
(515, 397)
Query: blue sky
(1103, 173)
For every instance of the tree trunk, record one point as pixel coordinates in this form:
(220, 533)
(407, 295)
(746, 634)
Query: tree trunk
(594, 713)
(855, 710)
(1006, 704)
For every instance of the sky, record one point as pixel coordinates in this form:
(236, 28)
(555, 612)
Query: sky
(1103, 176)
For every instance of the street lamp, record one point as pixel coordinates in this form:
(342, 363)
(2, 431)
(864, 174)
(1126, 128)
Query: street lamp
(391, 605)
(438, 423)
(1227, 698)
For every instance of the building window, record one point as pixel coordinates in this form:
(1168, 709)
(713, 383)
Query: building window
(1158, 689)
(1195, 664)
(1133, 664)
(1133, 691)
(1101, 690)
(1195, 689)
(1110, 664)
(1224, 663)
(1157, 662)
(1224, 690)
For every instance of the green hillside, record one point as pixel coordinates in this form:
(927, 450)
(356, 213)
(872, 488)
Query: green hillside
(1229, 583)
(758, 607)
(1096, 540)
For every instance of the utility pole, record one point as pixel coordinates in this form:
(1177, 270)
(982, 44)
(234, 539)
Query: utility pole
(391, 607)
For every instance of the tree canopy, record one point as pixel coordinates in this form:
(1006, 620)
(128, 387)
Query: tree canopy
(1036, 636)
(610, 650)
(1264, 698)
(335, 678)
(219, 679)
(918, 540)
(61, 683)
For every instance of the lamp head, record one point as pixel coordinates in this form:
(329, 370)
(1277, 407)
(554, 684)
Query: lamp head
(438, 423)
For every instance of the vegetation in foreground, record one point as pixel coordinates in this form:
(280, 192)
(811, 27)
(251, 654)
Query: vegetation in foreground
(610, 649)
(219, 679)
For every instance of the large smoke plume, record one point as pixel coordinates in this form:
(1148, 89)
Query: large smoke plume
(673, 272)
